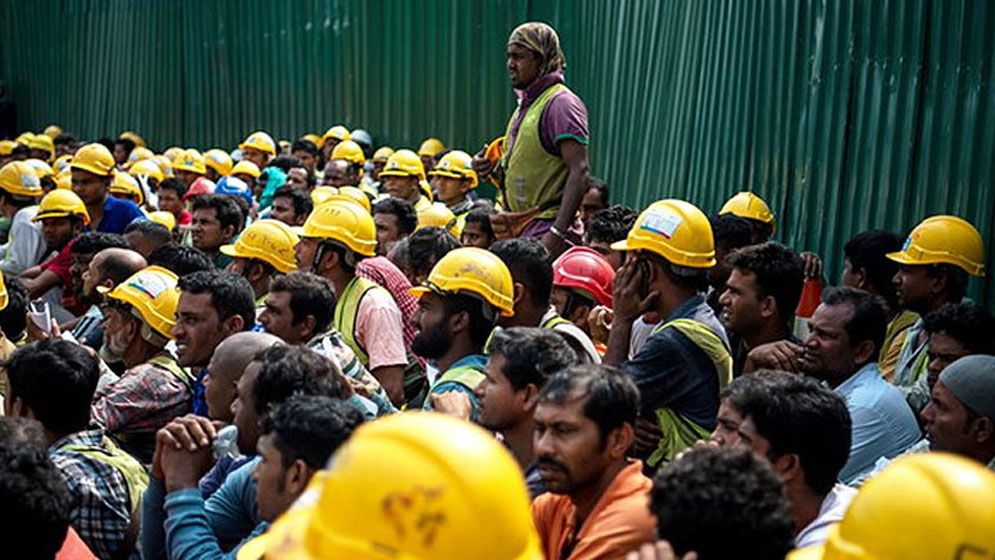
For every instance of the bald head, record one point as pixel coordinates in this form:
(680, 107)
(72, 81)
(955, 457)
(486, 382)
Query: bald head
(109, 268)
(226, 367)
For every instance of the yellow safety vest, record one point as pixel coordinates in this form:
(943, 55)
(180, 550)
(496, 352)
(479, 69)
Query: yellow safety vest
(679, 431)
(135, 477)
(347, 314)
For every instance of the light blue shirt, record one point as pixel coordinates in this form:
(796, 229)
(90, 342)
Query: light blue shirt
(883, 423)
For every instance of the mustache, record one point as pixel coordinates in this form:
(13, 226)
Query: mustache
(551, 463)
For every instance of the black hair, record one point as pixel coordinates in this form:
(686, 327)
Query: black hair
(310, 294)
(37, 505)
(93, 242)
(14, 317)
(722, 502)
(17, 430)
(968, 324)
(300, 199)
(731, 231)
(181, 259)
(869, 319)
(284, 162)
(304, 145)
(231, 294)
(426, 246)
(481, 214)
(867, 251)
(741, 390)
(528, 261)
(481, 321)
(310, 428)
(225, 208)
(129, 145)
(56, 379)
(64, 139)
(291, 370)
(956, 279)
(594, 183)
(778, 271)
(798, 415)
(610, 224)
(612, 399)
(531, 355)
(407, 218)
(176, 184)
(155, 232)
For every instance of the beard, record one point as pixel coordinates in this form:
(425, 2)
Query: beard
(430, 343)
(114, 346)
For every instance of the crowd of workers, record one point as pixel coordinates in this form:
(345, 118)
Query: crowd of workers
(330, 349)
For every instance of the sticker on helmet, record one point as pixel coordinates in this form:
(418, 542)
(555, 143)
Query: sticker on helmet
(662, 223)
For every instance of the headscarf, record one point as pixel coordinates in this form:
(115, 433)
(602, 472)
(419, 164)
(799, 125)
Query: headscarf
(275, 178)
(542, 40)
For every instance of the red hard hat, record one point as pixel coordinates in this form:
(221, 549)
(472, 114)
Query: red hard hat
(202, 185)
(584, 269)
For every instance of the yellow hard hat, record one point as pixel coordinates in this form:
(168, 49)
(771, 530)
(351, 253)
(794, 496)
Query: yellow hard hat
(430, 147)
(323, 194)
(923, 506)
(337, 132)
(261, 141)
(438, 215)
(41, 142)
(674, 229)
(172, 152)
(382, 153)
(138, 154)
(4, 299)
(404, 163)
(284, 146)
(52, 131)
(129, 135)
(20, 179)
(459, 490)
(62, 203)
(247, 168)
(313, 138)
(61, 164)
(24, 138)
(944, 239)
(219, 161)
(64, 181)
(356, 195)
(124, 183)
(95, 158)
(152, 293)
(458, 165)
(343, 221)
(748, 205)
(189, 160)
(148, 168)
(472, 270)
(349, 151)
(41, 168)
(271, 241)
(164, 218)
(7, 147)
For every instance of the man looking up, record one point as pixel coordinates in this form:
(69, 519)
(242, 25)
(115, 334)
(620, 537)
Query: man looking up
(544, 170)
(92, 168)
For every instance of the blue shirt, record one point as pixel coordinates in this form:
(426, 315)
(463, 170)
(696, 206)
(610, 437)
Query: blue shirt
(118, 214)
(883, 423)
(475, 361)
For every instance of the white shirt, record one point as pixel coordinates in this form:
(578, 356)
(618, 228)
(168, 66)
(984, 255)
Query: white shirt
(834, 505)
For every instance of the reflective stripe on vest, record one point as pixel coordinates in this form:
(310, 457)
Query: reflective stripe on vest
(553, 321)
(467, 376)
(111, 455)
(533, 176)
(347, 314)
(679, 431)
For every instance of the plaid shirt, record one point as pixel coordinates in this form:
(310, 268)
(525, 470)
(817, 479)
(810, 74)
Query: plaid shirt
(332, 346)
(144, 399)
(102, 508)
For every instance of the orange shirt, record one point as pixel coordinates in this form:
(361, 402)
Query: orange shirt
(619, 522)
(73, 548)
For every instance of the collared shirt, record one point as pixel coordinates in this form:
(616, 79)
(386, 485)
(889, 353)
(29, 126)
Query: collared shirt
(102, 505)
(143, 400)
(911, 362)
(672, 371)
(118, 213)
(882, 422)
(619, 522)
(382, 271)
(834, 505)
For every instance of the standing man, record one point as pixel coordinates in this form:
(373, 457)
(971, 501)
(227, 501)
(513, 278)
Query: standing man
(92, 168)
(543, 173)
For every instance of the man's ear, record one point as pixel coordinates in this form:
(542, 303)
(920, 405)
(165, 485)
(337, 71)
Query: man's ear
(788, 467)
(768, 306)
(459, 322)
(519, 293)
(529, 396)
(865, 352)
(620, 440)
(307, 326)
(233, 324)
(579, 316)
(297, 476)
(229, 232)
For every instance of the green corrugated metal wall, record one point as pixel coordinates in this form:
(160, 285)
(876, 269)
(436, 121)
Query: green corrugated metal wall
(844, 114)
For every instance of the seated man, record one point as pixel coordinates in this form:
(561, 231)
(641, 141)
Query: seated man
(146, 236)
(53, 381)
(596, 504)
(961, 416)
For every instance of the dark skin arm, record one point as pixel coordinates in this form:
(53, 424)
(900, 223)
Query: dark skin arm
(391, 378)
(37, 286)
(575, 156)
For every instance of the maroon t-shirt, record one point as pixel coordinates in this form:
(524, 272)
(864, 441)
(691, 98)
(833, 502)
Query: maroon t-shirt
(565, 116)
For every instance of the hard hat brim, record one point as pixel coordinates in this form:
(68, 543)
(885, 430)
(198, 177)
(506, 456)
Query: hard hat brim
(231, 251)
(397, 173)
(622, 245)
(901, 257)
(815, 552)
(91, 169)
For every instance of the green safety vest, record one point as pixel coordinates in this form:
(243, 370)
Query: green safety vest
(169, 364)
(113, 456)
(533, 177)
(347, 314)
(679, 431)
(553, 321)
